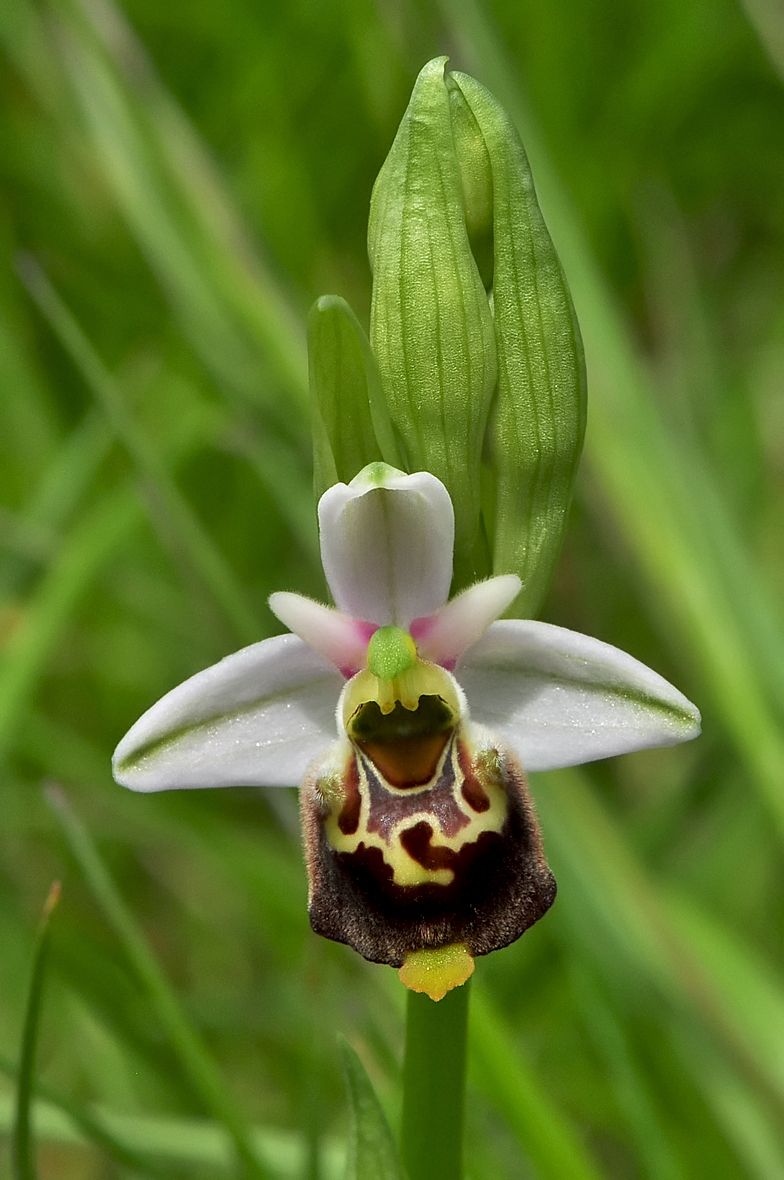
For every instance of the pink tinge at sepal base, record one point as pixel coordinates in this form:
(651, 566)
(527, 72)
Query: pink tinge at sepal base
(364, 632)
(421, 630)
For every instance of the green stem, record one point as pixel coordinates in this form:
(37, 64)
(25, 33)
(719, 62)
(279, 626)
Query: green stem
(434, 1085)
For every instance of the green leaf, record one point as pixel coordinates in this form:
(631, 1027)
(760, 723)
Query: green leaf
(431, 326)
(537, 423)
(476, 180)
(23, 1152)
(372, 1154)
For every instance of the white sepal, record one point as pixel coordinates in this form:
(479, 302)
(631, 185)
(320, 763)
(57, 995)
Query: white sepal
(560, 698)
(257, 718)
(445, 635)
(386, 545)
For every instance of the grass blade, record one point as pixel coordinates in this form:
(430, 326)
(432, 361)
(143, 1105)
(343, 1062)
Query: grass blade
(655, 1147)
(183, 522)
(750, 989)
(746, 1122)
(172, 198)
(67, 479)
(239, 273)
(168, 1143)
(767, 20)
(540, 1127)
(193, 1056)
(93, 539)
(23, 1153)
(608, 893)
(93, 1129)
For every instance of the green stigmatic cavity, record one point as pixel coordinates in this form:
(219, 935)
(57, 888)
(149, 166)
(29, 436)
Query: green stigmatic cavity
(391, 652)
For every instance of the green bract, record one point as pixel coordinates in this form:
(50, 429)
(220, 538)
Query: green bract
(431, 325)
(476, 370)
(537, 422)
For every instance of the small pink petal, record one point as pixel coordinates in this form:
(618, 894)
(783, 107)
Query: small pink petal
(339, 638)
(444, 636)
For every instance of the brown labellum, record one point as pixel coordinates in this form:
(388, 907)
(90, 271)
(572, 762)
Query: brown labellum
(399, 865)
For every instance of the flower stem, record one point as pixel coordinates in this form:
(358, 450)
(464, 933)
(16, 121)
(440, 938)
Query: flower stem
(434, 1085)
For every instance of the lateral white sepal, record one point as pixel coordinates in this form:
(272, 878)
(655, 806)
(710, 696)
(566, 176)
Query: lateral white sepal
(257, 718)
(559, 698)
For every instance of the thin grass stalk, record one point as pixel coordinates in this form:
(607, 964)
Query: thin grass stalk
(204, 556)
(22, 1149)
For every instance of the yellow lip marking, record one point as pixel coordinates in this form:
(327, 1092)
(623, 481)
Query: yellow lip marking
(378, 814)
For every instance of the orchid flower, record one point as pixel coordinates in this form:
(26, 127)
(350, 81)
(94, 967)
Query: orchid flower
(407, 720)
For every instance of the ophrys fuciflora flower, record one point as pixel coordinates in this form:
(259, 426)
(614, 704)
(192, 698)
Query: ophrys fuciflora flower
(408, 721)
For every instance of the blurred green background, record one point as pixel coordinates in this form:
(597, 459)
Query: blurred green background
(179, 182)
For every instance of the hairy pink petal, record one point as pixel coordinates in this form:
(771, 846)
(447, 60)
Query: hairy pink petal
(340, 639)
(444, 636)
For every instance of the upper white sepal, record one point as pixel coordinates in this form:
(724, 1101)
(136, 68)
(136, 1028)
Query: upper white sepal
(386, 545)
